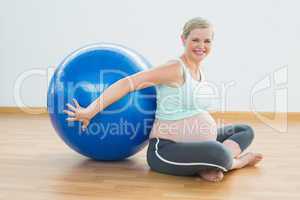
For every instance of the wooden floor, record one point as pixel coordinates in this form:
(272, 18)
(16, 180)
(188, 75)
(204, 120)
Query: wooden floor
(36, 164)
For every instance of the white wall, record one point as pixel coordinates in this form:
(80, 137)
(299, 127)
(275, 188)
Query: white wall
(253, 40)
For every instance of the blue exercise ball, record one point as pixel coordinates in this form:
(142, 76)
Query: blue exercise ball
(120, 130)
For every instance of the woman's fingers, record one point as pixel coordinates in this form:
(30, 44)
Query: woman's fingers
(70, 113)
(85, 124)
(74, 114)
(76, 103)
(71, 119)
(71, 107)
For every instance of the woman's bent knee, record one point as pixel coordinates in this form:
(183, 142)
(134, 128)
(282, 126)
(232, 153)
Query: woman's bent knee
(248, 135)
(221, 155)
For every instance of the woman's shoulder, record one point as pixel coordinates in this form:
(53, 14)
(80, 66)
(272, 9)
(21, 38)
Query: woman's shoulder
(174, 65)
(173, 70)
(169, 63)
(173, 62)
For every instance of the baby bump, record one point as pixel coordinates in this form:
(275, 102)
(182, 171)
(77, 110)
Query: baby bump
(199, 127)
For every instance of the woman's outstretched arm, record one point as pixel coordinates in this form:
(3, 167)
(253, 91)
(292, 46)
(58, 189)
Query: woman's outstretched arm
(166, 74)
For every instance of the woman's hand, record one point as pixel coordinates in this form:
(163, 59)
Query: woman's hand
(78, 113)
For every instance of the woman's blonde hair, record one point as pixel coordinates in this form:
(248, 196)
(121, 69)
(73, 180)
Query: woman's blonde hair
(197, 22)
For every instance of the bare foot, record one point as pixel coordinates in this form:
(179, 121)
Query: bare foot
(211, 175)
(249, 159)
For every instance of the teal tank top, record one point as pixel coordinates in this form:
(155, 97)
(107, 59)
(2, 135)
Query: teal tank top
(186, 100)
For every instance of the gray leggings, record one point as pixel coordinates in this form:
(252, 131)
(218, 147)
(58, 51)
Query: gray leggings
(186, 159)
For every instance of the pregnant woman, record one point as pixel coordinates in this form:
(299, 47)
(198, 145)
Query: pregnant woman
(185, 139)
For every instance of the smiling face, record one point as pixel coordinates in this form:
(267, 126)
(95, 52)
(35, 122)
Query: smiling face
(198, 43)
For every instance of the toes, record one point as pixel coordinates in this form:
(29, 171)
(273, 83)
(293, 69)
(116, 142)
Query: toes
(255, 158)
(258, 155)
(220, 175)
(212, 175)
